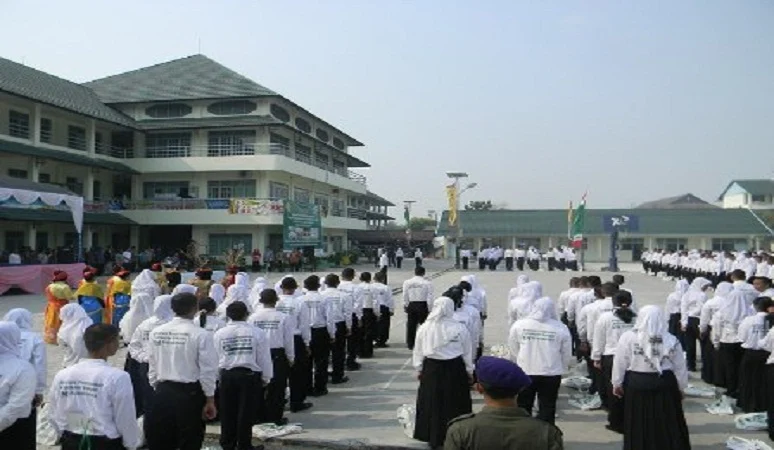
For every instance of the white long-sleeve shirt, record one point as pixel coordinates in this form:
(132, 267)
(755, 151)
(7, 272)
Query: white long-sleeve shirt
(690, 305)
(767, 343)
(384, 296)
(752, 329)
(17, 389)
(294, 306)
(672, 305)
(577, 301)
(563, 300)
(724, 331)
(596, 309)
(461, 345)
(340, 304)
(629, 356)
(540, 348)
(240, 344)
(367, 297)
(418, 289)
(607, 333)
(320, 314)
(140, 344)
(182, 352)
(96, 396)
(278, 327)
(33, 350)
(349, 288)
(518, 308)
(708, 310)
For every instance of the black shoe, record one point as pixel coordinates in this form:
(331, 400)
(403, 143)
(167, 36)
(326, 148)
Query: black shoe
(300, 407)
(341, 380)
(318, 393)
(614, 430)
(353, 367)
(281, 422)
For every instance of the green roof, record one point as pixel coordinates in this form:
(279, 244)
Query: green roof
(18, 79)
(48, 215)
(207, 122)
(61, 155)
(753, 187)
(190, 78)
(553, 222)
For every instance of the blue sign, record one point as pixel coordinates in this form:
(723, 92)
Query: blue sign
(621, 222)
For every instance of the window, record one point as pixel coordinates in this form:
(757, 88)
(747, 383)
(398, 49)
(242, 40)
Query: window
(338, 143)
(231, 143)
(165, 189)
(76, 137)
(322, 201)
(321, 160)
(74, 184)
(303, 153)
(303, 125)
(280, 145)
(44, 178)
(97, 190)
(322, 135)
(168, 110)
(46, 130)
(71, 239)
(278, 191)
(631, 243)
(729, 244)
(279, 112)
(221, 243)
(99, 146)
(302, 195)
(232, 108)
(339, 167)
(168, 145)
(672, 244)
(19, 124)
(231, 189)
(14, 240)
(337, 208)
(17, 173)
(758, 198)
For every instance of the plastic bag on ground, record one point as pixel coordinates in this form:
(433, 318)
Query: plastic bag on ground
(499, 351)
(406, 417)
(265, 431)
(697, 391)
(751, 422)
(585, 402)
(737, 443)
(576, 382)
(722, 407)
(46, 434)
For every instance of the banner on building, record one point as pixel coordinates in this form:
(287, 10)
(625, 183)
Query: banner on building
(622, 222)
(451, 195)
(302, 226)
(256, 207)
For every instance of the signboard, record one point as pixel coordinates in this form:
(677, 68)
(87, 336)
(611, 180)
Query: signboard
(301, 225)
(621, 222)
(256, 207)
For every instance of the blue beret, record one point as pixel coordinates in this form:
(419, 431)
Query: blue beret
(501, 373)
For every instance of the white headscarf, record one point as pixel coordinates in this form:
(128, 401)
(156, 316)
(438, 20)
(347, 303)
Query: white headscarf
(440, 327)
(217, 293)
(140, 308)
(532, 290)
(522, 279)
(10, 339)
(259, 285)
(162, 308)
(652, 335)
(681, 286)
(184, 288)
(724, 288)
(21, 317)
(74, 323)
(237, 292)
(699, 283)
(543, 310)
(146, 283)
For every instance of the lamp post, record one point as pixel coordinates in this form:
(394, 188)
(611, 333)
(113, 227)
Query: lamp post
(456, 176)
(407, 205)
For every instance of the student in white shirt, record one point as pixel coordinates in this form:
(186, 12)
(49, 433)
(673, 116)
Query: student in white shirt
(279, 328)
(709, 368)
(92, 395)
(515, 291)
(340, 311)
(564, 298)
(508, 254)
(140, 308)
(762, 285)
(70, 334)
(541, 345)
(465, 255)
(607, 332)
(182, 367)
(417, 297)
(355, 338)
(442, 359)
(521, 306)
(384, 263)
(399, 258)
(17, 392)
(244, 360)
(649, 373)
(367, 297)
(672, 307)
(725, 325)
(690, 310)
(418, 256)
(293, 306)
(467, 316)
(33, 349)
(752, 370)
(386, 306)
(207, 317)
(323, 329)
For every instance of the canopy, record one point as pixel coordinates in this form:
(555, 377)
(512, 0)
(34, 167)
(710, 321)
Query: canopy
(27, 192)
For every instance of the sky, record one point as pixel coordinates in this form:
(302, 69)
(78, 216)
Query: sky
(537, 101)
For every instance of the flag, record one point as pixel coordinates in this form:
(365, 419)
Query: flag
(407, 214)
(578, 222)
(569, 222)
(451, 195)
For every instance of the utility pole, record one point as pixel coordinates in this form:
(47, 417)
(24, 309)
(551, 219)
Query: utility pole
(407, 206)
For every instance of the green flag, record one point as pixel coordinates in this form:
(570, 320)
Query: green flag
(578, 221)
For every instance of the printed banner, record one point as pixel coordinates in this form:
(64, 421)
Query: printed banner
(256, 207)
(302, 226)
(451, 196)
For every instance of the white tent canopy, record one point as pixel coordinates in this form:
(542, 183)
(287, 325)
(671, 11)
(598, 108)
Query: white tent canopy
(28, 192)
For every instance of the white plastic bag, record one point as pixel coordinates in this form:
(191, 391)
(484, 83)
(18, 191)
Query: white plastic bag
(499, 351)
(406, 417)
(751, 422)
(46, 434)
(722, 407)
(140, 423)
(585, 402)
(696, 391)
(737, 443)
(266, 431)
(576, 382)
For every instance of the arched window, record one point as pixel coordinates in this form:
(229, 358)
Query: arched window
(338, 143)
(280, 113)
(231, 108)
(322, 135)
(168, 110)
(303, 125)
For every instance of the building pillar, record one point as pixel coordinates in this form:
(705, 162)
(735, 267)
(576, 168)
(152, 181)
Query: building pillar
(91, 131)
(31, 235)
(88, 241)
(136, 188)
(33, 172)
(35, 125)
(134, 237)
(138, 141)
(88, 185)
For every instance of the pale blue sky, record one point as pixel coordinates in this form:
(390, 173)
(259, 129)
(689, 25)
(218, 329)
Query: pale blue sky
(538, 101)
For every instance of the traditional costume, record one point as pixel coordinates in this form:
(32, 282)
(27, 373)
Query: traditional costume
(118, 298)
(203, 282)
(158, 274)
(58, 294)
(230, 278)
(90, 295)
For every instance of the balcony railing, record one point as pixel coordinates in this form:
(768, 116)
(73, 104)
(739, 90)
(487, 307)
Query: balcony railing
(354, 176)
(112, 151)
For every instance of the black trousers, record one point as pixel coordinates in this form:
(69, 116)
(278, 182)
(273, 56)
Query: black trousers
(175, 419)
(368, 332)
(383, 325)
(320, 346)
(481, 263)
(520, 263)
(275, 391)
(399, 262)
(509, 263)
(417, 313)
(560, 264)
(615, 405)
(338, 351)
(21, 434)
(417, 262)
(551, 264)
(546, 388)
(354, 341)
(690, 337)
(241, 403)
(465, 262)
(72, 441)
(299, 386)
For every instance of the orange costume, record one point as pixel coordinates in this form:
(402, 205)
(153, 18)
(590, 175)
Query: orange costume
(116, 285)
(58, 294)
(230, 277)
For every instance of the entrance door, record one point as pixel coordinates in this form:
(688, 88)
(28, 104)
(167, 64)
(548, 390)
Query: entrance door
(41, 240)
(170, 238)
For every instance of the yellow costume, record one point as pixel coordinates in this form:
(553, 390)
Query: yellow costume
(118, 286)
(58, 294)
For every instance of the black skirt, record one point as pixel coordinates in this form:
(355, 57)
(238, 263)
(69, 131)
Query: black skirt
(653, 413)
(139, 379)
(443, 394)
(728, 359)
(752, 381)
(709, 370)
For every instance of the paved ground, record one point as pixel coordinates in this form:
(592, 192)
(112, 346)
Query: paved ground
(362, 413)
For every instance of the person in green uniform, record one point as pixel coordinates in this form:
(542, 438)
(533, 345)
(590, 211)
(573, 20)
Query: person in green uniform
(501, 424)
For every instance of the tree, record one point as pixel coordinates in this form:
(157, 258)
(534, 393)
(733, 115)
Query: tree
(421, 223)
(479, 205)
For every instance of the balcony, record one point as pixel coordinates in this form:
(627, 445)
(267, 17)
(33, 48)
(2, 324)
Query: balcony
(113, 151)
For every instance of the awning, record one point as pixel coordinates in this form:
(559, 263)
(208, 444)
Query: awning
(27, 192)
